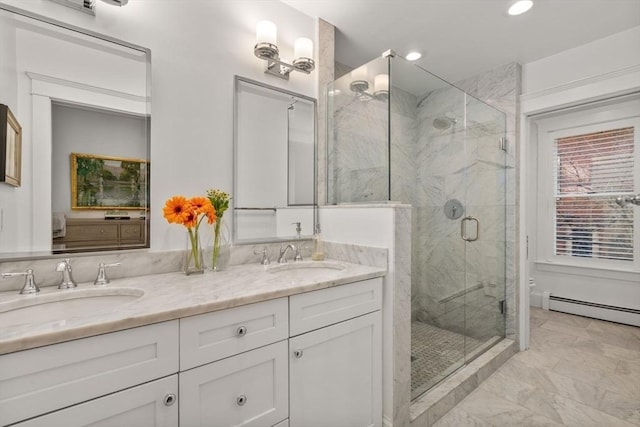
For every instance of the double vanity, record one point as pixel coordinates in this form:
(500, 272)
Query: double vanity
(296, 344)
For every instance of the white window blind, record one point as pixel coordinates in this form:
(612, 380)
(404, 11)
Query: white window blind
(591, 170)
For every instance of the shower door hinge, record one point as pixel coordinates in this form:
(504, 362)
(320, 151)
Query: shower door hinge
(503, 143)
(502, 305)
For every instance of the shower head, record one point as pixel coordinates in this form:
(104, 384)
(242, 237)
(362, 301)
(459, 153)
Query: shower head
(623, 201)
(445, 122)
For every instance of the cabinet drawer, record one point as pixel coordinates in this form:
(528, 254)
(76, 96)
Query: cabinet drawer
(131, 232)
(45, 379)
(141, 406)
(313, 310)
(250, 389)
(92, 232)
(213, 336)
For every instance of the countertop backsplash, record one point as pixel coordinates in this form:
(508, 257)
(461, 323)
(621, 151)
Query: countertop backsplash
(142, 263)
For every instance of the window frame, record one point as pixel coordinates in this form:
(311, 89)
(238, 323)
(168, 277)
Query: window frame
(582, 121)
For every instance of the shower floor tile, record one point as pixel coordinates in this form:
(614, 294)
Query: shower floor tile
(435, 353)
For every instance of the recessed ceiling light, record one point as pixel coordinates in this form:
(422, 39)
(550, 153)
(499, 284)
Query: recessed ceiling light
(520, 6)
(413, 56)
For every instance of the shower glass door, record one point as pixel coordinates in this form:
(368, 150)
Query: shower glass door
(446, 161)
(483, 227)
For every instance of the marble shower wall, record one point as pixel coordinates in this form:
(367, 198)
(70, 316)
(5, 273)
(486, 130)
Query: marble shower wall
(453, 283)
(358, 152)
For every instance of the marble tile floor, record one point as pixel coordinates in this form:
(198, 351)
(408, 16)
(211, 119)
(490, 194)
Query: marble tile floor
(435, 353)
(578, 372)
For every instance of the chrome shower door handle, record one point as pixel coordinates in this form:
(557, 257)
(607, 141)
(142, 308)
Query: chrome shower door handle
(463, 228)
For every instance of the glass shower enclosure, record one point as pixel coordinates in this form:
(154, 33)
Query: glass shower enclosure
(399, 133)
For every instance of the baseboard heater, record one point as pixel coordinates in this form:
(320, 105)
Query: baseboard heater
(629, 316)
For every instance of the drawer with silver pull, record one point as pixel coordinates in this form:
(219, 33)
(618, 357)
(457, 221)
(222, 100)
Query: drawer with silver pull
(212, 336)
(324, 307)
(248, 389)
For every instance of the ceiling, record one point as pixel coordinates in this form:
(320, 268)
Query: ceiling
(461, 38)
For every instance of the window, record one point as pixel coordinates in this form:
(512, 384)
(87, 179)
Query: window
(593, 169)
(588, 158)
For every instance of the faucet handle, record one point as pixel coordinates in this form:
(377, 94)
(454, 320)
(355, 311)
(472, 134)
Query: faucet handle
(265, 256)
(67, 281)
(30, 285)
(101, 278)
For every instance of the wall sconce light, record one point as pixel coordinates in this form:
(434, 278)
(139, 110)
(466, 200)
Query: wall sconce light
(381, 87)
(360, 85)
(266, 48)
(89, 6)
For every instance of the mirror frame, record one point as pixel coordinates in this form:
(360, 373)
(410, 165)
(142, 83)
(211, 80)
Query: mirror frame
(32, 255)
(237, 80)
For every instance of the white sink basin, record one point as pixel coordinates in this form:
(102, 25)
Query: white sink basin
(64, 305)
(306, 267)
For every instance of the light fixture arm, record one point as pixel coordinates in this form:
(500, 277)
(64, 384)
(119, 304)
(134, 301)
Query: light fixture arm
(279, 68)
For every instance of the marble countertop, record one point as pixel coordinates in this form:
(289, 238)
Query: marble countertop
(166, 297)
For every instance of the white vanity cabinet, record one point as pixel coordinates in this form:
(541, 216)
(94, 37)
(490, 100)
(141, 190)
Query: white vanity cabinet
(249, 389)
(311, 359)
(335, 371)
(149, 405)
(234, 367)
(315, 358)
(41, 380)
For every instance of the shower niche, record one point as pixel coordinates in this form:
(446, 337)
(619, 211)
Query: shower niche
(399, 133)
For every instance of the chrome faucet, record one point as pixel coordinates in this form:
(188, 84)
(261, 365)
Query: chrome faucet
(101, 278)
(67, 282)
(283, 253)
(30, 286)
(265, 256)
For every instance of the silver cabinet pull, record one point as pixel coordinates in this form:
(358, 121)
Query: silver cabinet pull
(241, 331)
(297, 353)
(169, 399)
(241, 400)
(463, 228)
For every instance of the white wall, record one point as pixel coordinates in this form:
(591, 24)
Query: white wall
(599, 69)
(197, 47)
(594, 71)
(598, 58)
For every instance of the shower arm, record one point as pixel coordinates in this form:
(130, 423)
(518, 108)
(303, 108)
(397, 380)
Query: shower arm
(623, 201)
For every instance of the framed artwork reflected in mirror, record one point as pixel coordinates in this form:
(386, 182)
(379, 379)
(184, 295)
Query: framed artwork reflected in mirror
(10, 147)
(107, 182)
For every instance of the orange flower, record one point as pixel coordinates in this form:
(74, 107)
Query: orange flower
(191, 217)
(175, 209)
(202, 205)
(199, 203)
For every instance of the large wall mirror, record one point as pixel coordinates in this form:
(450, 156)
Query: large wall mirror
(275, 144)
(83, 101)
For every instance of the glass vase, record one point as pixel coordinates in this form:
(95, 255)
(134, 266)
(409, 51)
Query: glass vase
(221, 252)
(193, 261)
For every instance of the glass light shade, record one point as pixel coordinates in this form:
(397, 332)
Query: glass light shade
(519, 7)
(303, 48)
(266, 32)
(381, 83)
(360, 74)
